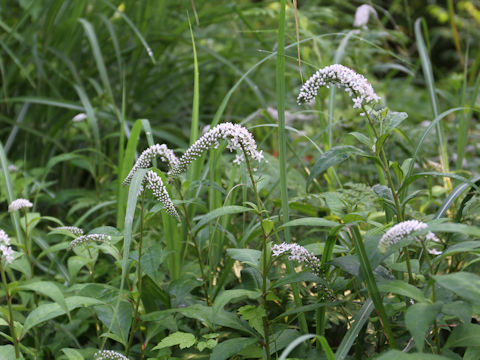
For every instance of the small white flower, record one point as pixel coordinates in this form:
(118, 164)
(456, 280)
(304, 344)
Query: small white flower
(355, 85)
(299, 254)
(401, 231)
(73, 229)
(12, 168)
(19, 204)
(5, 249)
(238, 138)
(435, 252)
(79, 117)
(362, 15)
(145, 159)
(92, 237)
(109, 355)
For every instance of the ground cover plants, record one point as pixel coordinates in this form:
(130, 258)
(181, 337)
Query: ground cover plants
(239, 179)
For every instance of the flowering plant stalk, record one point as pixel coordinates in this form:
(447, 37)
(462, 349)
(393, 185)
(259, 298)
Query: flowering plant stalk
(5, 259)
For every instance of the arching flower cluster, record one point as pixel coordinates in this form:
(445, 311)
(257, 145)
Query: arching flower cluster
(154, 182)
(6, 251)
(362, 15)
(109, 355)
(145, 160)
(238, 138)
(355, 85)
(299, 254)
(401, 231)
(73, 229)
(19, 204)
(87, 238)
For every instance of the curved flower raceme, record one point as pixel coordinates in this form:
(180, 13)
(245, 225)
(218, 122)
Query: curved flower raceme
(19, 204)
(355, 85)
(401, 231)
(6, 251)
(73, 229)
(237, 137)
(362, 15)
(300, 254)
(87, 238)
(154, 182)
(145, 159)
(109, 355)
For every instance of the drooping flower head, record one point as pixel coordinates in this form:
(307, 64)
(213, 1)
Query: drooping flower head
(299, 254)
(6, 251)
(362, 15)
(19, 204)
(154, 182)
(145, 159)
(401, 231)
(109, 355)
(238, 138)
(355, 85)
(79, 117)
(87, 238)
(73, 229)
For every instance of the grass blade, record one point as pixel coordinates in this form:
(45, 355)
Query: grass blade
(372, 284)
(429, 80)
(282, 142)
(359, 321)
(10, 195)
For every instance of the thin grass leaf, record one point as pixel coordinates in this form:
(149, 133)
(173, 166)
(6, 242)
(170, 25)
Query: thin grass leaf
(97, 54)
(429, 80)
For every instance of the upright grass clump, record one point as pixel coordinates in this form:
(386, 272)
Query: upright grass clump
(6, 257)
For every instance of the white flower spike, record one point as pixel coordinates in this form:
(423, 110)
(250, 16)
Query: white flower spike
(154, 182)
(362, 15)
(299, 254)
(401, 231)
(87, 238)
(237, 137)
(109, 355)
(73, 229)
(355, 85)
(6, 251)
(145, 159)
(19, 204)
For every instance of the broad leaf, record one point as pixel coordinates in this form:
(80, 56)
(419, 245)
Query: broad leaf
(228, 296)
(231, 347)
(419, 318)
(464, 284)
(184, 340)
(464, 335)
(247, 256)
(402, 288)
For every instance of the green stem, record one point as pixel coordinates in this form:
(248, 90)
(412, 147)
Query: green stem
(266, 325)
(371, 284)
(197, 248)
(28, 245)
(11, 321)
(139, 278)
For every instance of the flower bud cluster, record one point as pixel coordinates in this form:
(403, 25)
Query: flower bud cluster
(237, 137)
(154, 182)
(19, 204)
(109, 355)
(5, 249)
(355, 85)
(401, 231)
(299, 254)
(73, 229)
(87, 238)
(145, 159)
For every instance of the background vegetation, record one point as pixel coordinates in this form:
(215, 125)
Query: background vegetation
(160, 71)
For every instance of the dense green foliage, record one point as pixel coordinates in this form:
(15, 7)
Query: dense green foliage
(87, 85)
